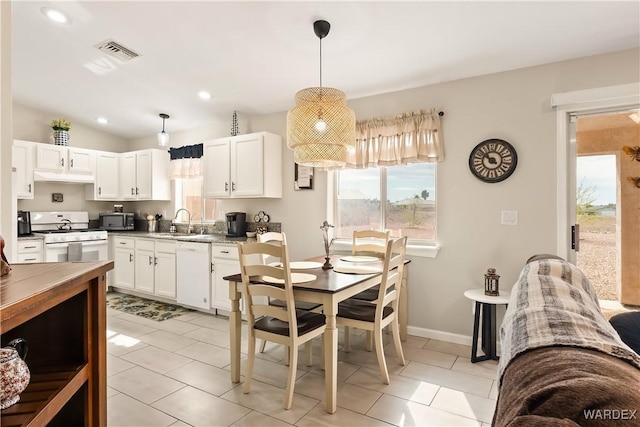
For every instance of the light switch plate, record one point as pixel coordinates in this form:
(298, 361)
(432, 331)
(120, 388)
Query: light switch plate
(508, 217)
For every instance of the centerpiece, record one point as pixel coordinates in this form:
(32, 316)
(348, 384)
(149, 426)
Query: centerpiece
(61, 131)
(327, 244)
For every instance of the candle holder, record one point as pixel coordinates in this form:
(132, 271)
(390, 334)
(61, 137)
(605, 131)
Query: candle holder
(327, 244)
(491, 283)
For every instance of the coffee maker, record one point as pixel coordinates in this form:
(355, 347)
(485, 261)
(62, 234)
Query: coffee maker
(236, 224)
(24, 223)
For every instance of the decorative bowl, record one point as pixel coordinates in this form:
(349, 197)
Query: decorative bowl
(251, 233)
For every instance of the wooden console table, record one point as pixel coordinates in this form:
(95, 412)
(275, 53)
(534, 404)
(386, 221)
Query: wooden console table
(60, 309)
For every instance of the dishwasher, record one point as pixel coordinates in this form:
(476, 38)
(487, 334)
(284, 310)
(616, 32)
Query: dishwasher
(193, 274)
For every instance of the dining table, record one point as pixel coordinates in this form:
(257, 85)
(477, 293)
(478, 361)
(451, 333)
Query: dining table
(328, 288)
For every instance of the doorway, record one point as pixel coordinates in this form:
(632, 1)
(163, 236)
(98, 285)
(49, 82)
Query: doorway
(608, 204)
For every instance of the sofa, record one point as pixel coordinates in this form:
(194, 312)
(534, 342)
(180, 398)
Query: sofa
(562, 362)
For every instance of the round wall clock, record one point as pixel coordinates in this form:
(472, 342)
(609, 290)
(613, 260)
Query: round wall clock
(493, 160)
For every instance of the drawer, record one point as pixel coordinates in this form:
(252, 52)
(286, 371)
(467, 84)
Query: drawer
(165, 247)
(123, 242)
(224, 252)
(29, 246)
(145, 245)
(30, 257)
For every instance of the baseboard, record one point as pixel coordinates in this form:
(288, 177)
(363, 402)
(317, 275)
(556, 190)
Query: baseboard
(439, 335)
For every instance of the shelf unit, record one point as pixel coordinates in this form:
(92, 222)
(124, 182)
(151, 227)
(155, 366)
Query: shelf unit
(60, 309)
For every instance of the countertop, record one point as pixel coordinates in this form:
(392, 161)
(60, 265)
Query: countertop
(181, 237)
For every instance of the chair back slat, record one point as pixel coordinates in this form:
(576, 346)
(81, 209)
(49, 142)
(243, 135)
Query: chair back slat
(370, 242)
(389, 292)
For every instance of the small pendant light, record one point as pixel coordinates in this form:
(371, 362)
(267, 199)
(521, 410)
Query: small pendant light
(163, 137)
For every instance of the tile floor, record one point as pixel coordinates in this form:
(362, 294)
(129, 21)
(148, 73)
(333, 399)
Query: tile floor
(176, 373)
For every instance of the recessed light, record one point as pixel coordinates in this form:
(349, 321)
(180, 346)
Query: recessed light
(102, 120)
(55, 15)
(203, 94)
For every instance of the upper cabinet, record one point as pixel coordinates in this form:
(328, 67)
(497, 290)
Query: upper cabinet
(106, 185)
(22, 162)
(243, 166)
(63, 159)
(144, 175)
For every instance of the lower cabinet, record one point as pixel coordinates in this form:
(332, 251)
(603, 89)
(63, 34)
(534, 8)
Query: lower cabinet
(30, 251)
(225, 262)
(123, 259)
(155, 267)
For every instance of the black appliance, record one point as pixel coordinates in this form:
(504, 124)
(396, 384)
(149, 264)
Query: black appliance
(117, 221)
(24, 223)
(236, 224)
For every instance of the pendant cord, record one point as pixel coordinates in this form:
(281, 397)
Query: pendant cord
(320, 62)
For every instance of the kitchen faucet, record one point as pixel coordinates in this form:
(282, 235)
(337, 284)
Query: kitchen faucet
(201, 222)
(176, 217)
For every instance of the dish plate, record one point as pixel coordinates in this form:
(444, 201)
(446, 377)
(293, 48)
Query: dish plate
(359, 258)
(299, 265)
(295, 278)
(356, 269)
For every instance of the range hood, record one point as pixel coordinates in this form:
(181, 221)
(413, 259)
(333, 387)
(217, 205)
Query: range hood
(63, 178)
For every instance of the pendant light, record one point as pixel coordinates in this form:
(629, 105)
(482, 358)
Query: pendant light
(163, 137)
(321, 128)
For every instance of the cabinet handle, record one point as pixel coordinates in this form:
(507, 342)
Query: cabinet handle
(233, 186)
(99, 190)
(122, 243)
(29, 188)
(150, 260)
(132, 193)
(130, 257)
(155, 260)
(29, 247)
(137, 192)
(71, 163)
(211, 268)
(226, 186)
(224, 252)
(62, 162)
(29, 259)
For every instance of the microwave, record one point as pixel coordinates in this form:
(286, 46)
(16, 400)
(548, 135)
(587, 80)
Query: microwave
(114, 221)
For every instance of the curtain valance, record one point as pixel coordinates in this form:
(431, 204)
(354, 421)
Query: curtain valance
(411, 137)
(186, 161)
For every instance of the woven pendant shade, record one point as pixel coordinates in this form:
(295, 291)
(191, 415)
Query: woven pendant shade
(321, 128)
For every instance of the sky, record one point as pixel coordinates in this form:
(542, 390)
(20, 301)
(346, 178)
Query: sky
(598, 172)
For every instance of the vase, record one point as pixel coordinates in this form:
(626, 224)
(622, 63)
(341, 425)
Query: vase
(14, 373)
(61, 137)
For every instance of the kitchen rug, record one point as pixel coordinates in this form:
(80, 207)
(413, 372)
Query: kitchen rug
(150, 309)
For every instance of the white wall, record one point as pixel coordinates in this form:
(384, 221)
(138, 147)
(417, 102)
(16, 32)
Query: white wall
(513, 106)
(8, 225)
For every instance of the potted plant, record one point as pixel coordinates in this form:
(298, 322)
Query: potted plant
(61, 131)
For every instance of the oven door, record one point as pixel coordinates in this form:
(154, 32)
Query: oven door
(94, 250)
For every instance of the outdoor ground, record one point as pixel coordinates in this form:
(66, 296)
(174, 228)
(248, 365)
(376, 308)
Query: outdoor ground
(597, 255)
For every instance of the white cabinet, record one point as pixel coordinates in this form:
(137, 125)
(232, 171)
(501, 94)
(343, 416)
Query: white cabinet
(144, 175)
(106, 185)
(30, 251)
(63, 159)
(193, 274)
(123, 259)
(224, 262)
(22, 162)
(243, 166)
(155, 267)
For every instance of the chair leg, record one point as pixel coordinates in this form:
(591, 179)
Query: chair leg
(308, 348)
(291, 381)
(263, 345)
(395, 331)
(369, 341)
(251, 356)
(347, 339)
(380, 353)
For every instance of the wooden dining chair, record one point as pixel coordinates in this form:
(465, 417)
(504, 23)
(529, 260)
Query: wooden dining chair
(276, 238)
(375, 315)
(282, 325)
(370, 243)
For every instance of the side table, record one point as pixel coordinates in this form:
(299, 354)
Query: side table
(487, 305)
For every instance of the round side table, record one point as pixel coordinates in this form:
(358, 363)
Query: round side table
(487, 305)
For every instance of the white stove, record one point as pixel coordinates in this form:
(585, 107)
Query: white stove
(67, 236)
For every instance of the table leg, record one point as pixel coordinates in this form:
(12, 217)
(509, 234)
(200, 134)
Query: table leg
(235, 331)
(331, 357)
(491, 331)
(476, 324)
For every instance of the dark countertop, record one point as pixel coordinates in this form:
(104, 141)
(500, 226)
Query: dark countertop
(30, 237)
(181, 237)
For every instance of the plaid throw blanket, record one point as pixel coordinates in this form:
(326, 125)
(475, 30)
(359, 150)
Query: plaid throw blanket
(554, 304)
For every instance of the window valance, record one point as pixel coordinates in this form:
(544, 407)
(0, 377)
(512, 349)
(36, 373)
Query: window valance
(411, 137)
(186, 161)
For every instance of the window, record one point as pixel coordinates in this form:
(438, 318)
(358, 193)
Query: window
(397, 198)
(189, 193)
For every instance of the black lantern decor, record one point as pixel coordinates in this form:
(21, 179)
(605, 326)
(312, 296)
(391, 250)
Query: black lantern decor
(491, 285)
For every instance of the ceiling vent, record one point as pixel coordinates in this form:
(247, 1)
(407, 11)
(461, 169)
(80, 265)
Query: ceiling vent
(116, 50)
